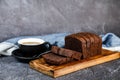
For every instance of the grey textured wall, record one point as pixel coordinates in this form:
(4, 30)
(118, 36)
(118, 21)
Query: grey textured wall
(36, 17)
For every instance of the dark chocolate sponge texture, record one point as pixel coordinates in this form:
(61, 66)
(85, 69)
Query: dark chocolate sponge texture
(66, 53)
(59, 56)
(73, 42)
(88, 44)
(54, 59)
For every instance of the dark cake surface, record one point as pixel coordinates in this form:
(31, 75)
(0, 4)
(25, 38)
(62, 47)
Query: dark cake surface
(72, 40)
(66, 52)
(52, 58)
(88, 44)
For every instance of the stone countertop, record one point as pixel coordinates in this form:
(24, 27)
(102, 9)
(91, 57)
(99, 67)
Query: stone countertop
(10, 69)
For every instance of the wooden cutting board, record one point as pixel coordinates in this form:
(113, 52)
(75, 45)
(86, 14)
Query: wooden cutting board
(56, 71)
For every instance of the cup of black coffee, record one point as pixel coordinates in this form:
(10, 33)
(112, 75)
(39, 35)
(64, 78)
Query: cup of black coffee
(30, 47)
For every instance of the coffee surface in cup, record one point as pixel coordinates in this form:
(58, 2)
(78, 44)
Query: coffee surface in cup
(31, 43)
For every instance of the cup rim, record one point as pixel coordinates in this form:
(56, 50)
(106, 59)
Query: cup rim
(41, 41)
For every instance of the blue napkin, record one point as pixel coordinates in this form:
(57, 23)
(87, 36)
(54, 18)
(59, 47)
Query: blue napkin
(110, 40)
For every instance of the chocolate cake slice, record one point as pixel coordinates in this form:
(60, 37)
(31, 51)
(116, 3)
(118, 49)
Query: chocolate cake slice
(54, 59)
(92, 48)
(98, 43)
(66, 52)
(55, 49)
(88, 44)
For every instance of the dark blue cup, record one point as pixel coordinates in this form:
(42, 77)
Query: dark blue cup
(33, 46)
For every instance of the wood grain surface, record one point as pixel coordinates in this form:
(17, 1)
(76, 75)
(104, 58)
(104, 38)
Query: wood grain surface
(56, 71)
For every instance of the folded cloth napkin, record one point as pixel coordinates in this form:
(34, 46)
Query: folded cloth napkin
(109, 41)
(6, 48)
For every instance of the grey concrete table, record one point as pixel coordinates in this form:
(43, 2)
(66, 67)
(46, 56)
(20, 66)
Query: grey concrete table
(10, 69)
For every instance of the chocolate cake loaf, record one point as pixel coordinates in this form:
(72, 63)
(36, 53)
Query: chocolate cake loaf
(77, 46)
(54, 59)
(88, 44)
(66, 53)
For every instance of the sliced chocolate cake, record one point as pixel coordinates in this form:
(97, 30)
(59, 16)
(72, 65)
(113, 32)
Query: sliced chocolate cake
(77, 46)
(54, 59)
(66, 52)
(92, 43)
(88, 44)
